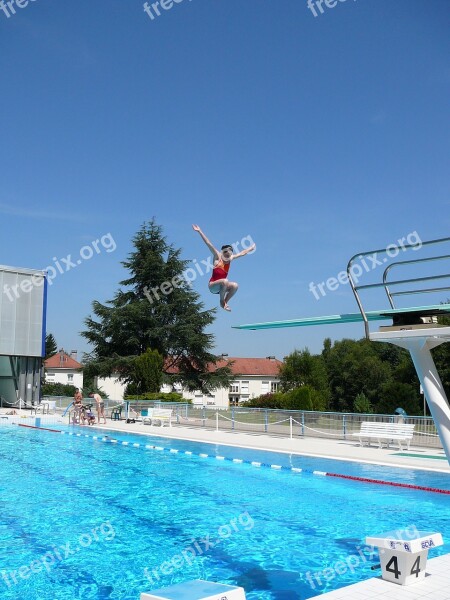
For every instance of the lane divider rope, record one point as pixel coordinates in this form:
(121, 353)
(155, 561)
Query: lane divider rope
(108, 439)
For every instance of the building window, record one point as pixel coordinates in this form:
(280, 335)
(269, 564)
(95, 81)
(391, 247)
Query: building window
(244, 399)
(50, 375)
(274, 387)
(70, 377)
(264, 387)
(234, 388)
(244, 387)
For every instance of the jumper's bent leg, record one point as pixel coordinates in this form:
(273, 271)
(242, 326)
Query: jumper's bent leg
(226, 290)
(230, 289)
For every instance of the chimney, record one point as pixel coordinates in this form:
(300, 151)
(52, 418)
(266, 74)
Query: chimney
(73, 354)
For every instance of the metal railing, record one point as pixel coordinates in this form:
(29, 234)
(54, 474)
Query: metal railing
(384, 283)
(284, 423)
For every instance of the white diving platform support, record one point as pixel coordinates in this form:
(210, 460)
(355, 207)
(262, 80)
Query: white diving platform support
(419, 342)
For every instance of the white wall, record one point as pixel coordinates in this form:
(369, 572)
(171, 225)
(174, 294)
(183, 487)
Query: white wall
(112, 387)
(63, 376)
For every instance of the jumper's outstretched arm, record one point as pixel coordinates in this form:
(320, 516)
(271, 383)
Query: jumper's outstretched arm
(252, 248)
(207, 242)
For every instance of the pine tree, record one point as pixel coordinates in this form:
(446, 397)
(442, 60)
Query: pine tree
(156, 309)
(51, 346)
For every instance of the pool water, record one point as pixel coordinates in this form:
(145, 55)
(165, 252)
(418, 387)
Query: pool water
(81, 518)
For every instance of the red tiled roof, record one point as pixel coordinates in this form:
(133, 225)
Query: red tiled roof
(245, 366)
(61, 360)
(252, 366)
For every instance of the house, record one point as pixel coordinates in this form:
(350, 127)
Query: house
(64, 368)
(253, 377)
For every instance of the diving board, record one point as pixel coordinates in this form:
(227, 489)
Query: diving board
(414, 328)
(397, 315)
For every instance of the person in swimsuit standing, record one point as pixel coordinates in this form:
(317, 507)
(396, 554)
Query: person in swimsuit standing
(100, 406)
(219, 284)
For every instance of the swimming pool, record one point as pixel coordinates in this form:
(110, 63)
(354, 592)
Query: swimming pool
(81, 518)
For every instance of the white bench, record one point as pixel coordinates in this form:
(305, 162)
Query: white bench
(385, 431)
(161, 415)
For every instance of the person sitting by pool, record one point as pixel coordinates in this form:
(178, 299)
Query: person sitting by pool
(90, 417)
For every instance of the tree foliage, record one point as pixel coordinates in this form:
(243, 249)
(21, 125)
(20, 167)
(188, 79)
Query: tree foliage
(354, 367)
(353, 376)
(301, 369)
(399, 395)
(361, 404)
(303, 397)
(58, 389)
(155, 309)
(146, 374)
(51, 346)
(441, 356)
(159, 396)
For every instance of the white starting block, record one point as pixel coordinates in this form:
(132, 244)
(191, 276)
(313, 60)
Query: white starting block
(404, 558)
(197, 590)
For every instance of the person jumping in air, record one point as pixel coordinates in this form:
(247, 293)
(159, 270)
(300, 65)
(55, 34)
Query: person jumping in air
(219, 284)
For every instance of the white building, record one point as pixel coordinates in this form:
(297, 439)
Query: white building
(253, 377)
(64, 368)
(111, 386)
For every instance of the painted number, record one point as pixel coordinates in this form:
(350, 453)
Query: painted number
(416, 567)
(395, 570)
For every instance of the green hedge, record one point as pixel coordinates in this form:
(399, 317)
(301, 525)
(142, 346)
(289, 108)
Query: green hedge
(300, 398)
(160, 396)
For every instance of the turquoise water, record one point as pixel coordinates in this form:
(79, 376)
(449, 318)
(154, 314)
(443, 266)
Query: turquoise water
(81, 518)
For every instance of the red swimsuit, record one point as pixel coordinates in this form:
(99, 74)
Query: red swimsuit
(220, 271)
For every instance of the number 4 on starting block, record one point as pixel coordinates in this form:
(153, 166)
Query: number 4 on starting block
(404, 559)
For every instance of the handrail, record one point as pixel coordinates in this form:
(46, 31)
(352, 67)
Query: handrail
(415, 261)
(384, 283)
(67, 408)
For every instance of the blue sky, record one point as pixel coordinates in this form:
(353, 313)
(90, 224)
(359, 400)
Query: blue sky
(318, 137)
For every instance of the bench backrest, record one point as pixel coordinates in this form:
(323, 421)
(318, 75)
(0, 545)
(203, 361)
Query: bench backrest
(161, 412)
(397, 428)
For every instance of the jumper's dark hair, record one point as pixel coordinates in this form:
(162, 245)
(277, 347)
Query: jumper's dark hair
(227, 246)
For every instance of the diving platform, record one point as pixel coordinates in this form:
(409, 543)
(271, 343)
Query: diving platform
(399, 316)
(416, 328)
